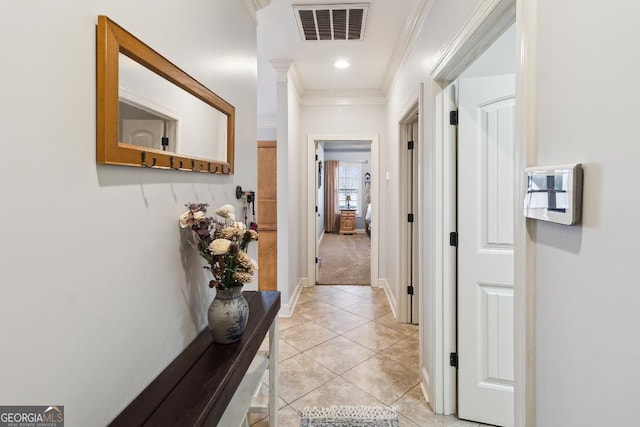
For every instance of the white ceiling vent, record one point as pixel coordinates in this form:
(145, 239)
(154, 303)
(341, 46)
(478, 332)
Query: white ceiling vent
(331, 21)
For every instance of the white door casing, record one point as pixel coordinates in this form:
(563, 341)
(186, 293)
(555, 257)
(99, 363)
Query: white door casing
(486, 176)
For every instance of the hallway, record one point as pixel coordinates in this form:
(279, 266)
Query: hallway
(343, 346)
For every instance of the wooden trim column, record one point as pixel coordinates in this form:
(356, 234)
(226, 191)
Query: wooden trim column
(267, 216)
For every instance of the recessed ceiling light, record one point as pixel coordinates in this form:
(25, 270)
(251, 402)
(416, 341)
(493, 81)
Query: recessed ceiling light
(341, 63)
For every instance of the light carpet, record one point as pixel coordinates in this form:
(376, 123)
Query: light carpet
(349, 416)
(344, 259)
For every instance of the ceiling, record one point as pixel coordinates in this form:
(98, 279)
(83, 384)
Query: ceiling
(374, 60)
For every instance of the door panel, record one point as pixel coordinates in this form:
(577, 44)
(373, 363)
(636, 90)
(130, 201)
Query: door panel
(485, 252)
(497, 118)
(144, 133)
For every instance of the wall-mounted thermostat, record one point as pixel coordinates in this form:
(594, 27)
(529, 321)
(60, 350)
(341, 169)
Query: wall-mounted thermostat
(554, 193)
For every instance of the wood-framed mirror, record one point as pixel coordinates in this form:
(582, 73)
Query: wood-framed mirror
(150, 113)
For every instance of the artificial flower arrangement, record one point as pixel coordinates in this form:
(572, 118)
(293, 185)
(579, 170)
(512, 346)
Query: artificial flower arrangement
(222, 243)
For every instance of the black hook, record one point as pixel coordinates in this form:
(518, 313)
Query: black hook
(143, 155)
(250, 195)
(171, 164)
(194, 169)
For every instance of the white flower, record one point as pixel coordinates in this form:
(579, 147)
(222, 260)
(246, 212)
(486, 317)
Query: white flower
(241, 225)
(220, 246)
(226, 211)
(185, 219)
(188, 218)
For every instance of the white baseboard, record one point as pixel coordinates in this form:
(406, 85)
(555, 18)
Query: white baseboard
(286, 309)
(384, 284)
(425, 385)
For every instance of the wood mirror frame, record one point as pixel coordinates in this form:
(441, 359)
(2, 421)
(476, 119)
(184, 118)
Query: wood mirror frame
(113, 40)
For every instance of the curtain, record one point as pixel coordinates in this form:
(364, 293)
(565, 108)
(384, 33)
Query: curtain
(331, 196)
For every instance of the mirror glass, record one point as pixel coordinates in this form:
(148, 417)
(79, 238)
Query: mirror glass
(150, 113)
(152, 108)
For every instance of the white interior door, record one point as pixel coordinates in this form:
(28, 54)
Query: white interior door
(485, 249)
(143, 133)
(410, 256)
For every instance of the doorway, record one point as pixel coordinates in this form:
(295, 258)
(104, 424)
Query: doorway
(343, 199)
(410, 147)
(315, 203)
(483, 121)
(489, 22)
(485, 284)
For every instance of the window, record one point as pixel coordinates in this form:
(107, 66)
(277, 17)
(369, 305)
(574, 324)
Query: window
(349, 186)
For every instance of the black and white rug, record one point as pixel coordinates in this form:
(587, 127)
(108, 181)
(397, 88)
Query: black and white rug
(349, 416)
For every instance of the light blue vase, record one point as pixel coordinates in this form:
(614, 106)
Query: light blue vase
(228, 315)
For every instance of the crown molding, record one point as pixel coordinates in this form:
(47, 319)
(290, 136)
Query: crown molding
(253, 6)
(349, 97)
(410, 31)
(282, 67)
(483, 27)
(286, 71)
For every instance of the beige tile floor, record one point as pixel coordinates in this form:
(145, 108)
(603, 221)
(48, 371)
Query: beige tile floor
(342, 346)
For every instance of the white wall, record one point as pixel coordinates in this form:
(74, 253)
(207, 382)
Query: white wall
(99, 291)
(290, 247)
(297, 208)
(586, 277)
(444, 20)
(341, 120)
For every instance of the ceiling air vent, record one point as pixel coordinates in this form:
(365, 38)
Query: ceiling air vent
(332, 21)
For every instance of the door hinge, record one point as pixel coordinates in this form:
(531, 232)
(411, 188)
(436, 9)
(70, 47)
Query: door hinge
(453, 238)
(453, 118)
(410, 217)
(316, 157)
(410, 145)
(316, 209)
(316, 260)
(410, 290)
(453, 360)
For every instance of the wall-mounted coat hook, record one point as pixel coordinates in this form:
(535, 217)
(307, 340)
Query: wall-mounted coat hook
(171, 164)
(249, 195)
(143, 156)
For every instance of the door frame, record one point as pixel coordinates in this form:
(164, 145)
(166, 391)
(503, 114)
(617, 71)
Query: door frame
(312, 189)
(415, 106)
(485, 25)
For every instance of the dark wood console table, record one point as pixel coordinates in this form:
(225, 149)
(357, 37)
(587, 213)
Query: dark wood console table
(198, 386)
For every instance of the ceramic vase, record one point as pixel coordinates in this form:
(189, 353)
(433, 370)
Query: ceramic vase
(228, 315)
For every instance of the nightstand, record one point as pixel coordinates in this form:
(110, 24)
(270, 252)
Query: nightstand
(347, 221)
